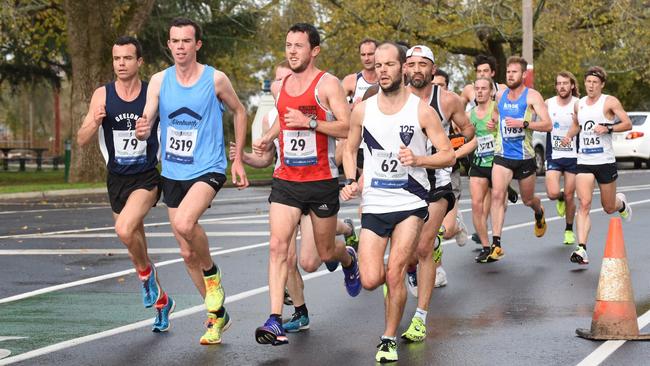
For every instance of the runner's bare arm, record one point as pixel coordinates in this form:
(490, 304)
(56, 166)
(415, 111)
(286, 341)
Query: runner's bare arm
(94, 117)
(348, 84)
(350, 153)
(614, 105)
(467, 95)
(458, 116)
(226, 93)
(574, 129)
(333, 97)
(150, 112)
(544, 123)
(444, 156)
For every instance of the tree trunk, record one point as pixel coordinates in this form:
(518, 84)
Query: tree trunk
(92, 30)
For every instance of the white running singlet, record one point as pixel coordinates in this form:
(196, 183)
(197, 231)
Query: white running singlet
(594, 149)
(562, 119)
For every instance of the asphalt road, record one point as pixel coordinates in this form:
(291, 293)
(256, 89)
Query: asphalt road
(68, 297)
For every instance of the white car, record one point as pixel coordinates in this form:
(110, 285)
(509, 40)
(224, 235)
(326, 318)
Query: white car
(634, 145)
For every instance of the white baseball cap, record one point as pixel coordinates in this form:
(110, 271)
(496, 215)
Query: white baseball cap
(422, 51)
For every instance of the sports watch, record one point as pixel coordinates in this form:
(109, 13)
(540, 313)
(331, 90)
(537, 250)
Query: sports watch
(313, 123)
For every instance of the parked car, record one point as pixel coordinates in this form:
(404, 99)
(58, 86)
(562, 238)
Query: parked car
(634, 145)
(539, 144)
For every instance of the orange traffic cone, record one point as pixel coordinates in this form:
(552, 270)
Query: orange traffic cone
(615, 313)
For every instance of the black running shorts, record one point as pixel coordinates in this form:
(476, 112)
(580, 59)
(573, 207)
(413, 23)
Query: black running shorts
(120, 187)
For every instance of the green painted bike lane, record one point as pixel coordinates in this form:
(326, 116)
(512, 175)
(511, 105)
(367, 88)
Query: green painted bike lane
(56, 317)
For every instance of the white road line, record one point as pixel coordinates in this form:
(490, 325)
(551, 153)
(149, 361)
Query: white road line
(212, 234)
(144, 323)
(104, 251)
(53, 210)
(609, 347)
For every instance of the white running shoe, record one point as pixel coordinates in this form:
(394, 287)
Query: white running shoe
(441, 277)
(579, 255)
(412, 283)
(461, 236)
(627, 213)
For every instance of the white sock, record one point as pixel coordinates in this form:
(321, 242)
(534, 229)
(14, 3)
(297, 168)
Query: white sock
(422, 314)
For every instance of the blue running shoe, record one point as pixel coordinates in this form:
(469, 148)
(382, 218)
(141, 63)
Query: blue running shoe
(151, 290)
(352, 280)
(332, 265)
(298, 322)
(271, 333)
(161, 324)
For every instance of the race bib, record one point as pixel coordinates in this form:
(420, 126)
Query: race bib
(180, 144)
(389, 172)
(299, 147)
(485, 145)
(512, 133)
(128, 149)
(556, 144)
(590, 143)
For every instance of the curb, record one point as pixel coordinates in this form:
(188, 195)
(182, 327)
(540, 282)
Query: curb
(81, 192)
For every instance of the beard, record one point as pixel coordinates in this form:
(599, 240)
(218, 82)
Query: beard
(300, 68)
(392, 88)
(564, 94)
(419, 83)
(514, 84)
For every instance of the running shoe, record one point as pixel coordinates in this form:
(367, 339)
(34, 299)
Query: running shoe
(387, 351)
(351, 240)
(437, 249)
(385, 289)
(298, 322)
(560, 206)
(216, 326)
(483, 256)
(441, 277)
(214, 294)
(352, 280)
(416, 332)
(627, 213)
(151, 291)
(476, 239)
(461, 235)
(569, 237)
(161, 323)
(271, 333)
(287, 298)
(540, 226)
(332, 265)
(412, 281)
(496, 253)
(513, 196)
(580, 255)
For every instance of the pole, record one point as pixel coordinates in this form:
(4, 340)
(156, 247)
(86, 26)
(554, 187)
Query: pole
(527, 39)
(68, 157)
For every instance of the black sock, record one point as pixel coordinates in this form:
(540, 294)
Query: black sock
(539, 215)
(302, 309)
(277, 317)
(496, 241)
(569, 227)
(211, 271)
(622, 208)
(220, 313)
(561, 198)
(583, 245)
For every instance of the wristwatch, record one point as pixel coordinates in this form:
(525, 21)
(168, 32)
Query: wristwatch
(313, 123)
(526, 123)
(349, 181)
(610, 129)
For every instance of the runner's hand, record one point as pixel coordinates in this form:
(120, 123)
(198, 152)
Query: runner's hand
(491, 124)
(99, 114)
(350, 191)
(238, 175)
(601, 130)
(296, 119)
(260, 146)
(566, 141)
(514, 123)
(232, 151)
(142, 128)
(406, 156)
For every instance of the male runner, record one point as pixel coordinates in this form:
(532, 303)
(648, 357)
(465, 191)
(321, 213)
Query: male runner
(514, 156)
(420, 67)
(562, 160)
(594, 119)
(189, 98)
(312, 113)
(441, 78)
(133, 181)
(486, 67)
(355, 85)
(393, 125)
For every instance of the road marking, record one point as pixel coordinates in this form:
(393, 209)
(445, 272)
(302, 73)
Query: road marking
(212, 234)
(53, 210)
(609, 347)
(5, 352)
(105, 251)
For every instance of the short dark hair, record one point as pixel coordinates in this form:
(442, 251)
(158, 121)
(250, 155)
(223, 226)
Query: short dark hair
(310, 30)
(518, 60)
(183, 22)
(405, 44)
(401, 51)
(598, 72)
(124, 40)
(485, 59)
(441, 72)
(367, 40)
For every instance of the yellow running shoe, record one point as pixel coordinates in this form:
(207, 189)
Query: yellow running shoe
(216, 326)
(540, 226)
(437, 249)
(214, 294)
(569, 237)
(560, 206)
(417, 331)
(496, 253)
